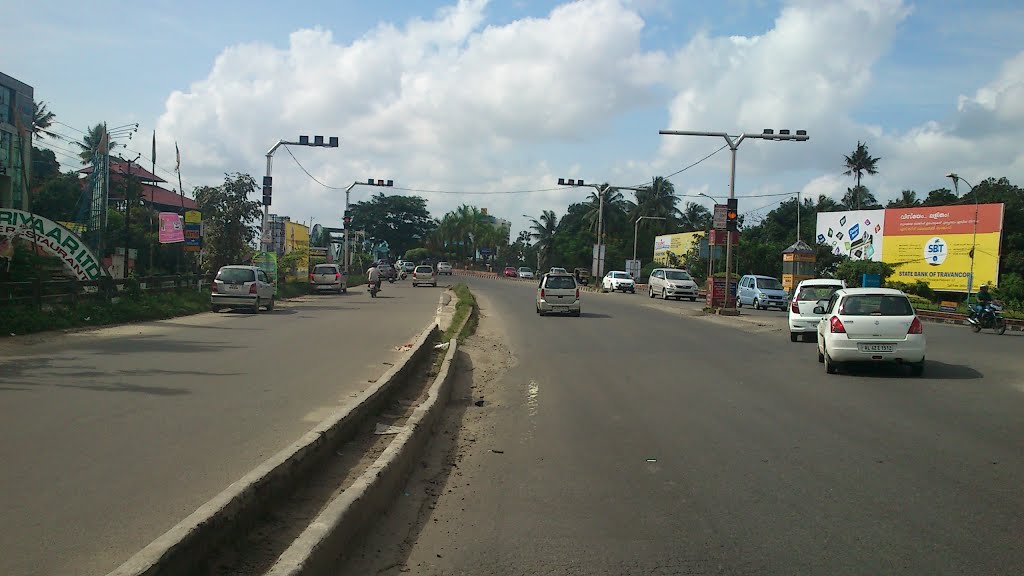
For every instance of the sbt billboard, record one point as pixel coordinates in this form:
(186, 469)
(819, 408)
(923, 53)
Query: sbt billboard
(935, 245)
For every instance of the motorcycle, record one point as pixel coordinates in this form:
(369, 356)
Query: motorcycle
(990, 316)
(374, 288)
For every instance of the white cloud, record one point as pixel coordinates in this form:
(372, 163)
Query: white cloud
(454, 103)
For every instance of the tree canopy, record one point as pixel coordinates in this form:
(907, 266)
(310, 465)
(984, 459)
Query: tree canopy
(401, 221)
(230, 219)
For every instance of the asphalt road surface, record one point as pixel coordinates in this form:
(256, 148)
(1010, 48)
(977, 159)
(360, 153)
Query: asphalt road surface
(112, 436)
(639, 440)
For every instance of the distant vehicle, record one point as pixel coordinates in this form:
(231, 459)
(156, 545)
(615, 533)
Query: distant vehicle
(408, 266)
(582, 276)
(616, 281)
(525, 272)
(558, 293)
(328, 277)
(424, 274)
(387, 271)
(671, 283)
(761, 292)
(510, 272)
(872, 325)
(557, 270)
(444, 268)
(241, 287)
(803, 322)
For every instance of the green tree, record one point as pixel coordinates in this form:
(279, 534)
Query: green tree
(940, 197)
(92, 142)
(658, 200)
(230, 219)
(907, 199)
(857, 164)
(615, 214)
(42, 119)
(543, 233)
(402, 221)
(58, 197)
(417, 255)
(44, 165)
(695, 218)
(860, 198)
(852, 271)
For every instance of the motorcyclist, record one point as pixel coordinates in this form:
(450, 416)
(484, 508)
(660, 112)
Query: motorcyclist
(373, 276)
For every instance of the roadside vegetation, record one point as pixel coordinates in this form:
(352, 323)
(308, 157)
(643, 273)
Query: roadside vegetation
(157, 306)
(465, 311)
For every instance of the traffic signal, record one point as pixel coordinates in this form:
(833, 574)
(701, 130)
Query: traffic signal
(731, 214)
(570, 182)
(268, 188)
(347, 219)
(372, 182)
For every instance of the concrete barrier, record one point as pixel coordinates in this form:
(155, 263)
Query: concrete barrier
(184, 548)
(1012, 325)
(318, 548)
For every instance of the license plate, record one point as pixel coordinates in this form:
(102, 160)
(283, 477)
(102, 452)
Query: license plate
(877, 347)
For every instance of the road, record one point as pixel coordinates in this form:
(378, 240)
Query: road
(112, 436)
(638, 440)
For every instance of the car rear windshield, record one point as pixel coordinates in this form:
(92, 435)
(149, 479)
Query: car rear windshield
(677, 275)
(236, 275)
(325, 270)
(560, 283)
(525, 270)
(622, 275)
(815, 293)
(769, 284)
(424, 270)
(876, 305)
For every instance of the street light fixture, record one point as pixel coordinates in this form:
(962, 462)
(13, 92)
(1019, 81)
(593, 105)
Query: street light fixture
(712, 198)
(268, 181)
(636, 228)
(600, 214)
(734, 143)
(974, 240)
(347, 219)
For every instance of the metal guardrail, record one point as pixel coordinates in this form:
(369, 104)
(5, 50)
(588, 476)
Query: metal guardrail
(39, 293)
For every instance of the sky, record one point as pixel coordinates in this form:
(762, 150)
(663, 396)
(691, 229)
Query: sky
(489, 103)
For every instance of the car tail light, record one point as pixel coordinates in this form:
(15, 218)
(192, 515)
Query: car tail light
(213, 288)
(542, 293)
(252, 288)
(310, 276)
(916, 327)
(577, 293)
(836, 325)
(795, 306)
(337, 275)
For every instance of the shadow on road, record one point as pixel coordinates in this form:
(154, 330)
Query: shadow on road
(933, 370)
(593, 315)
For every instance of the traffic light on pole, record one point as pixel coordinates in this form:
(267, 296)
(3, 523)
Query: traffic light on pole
(268, 188)
(731, 214)
(347, 219)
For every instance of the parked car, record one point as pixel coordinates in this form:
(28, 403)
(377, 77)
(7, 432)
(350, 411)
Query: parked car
(870, 325)
(424, 274)
(408, 266)
(558, 293)
(671, 283)
(525, 272)
(809, 294)
(761, 292)
(557, 270)
(510, 272)
(444, 268)
(328, 277)
(242, 287)
(618, 280)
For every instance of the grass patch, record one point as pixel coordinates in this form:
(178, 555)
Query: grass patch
(465, 307)
(26, 319)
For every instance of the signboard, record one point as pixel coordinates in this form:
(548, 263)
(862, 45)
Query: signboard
(947, 306)
(171, 228)
(720, 216)
(597, 260)
(193, 231)
(870, 281)
(718, 237)
(678, 245)
(933, 244)
(53, 238)
(267, 261)
(633, 268)
(716, 291)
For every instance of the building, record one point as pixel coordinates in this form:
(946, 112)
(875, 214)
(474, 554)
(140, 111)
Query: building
(153, 195)
(277, 225)
(499, 223)
(16, 107)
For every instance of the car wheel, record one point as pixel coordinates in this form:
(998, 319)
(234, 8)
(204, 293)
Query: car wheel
(215, 308)
(917, 370)
(830, 366)
(821, 357)
(693, 299)
(256, 306)
(1001, 327)
(577, 313)
(794, 336)
(650, 292)
(739, 303)
(271, 305)
(664, 294)
(757, 305)
(434, 284)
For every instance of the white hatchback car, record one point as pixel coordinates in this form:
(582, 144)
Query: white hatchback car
(803, 322)
(558, 293)
(870, 325)
(424, 274)
(444, 268)
(616, 281)
(242, 287)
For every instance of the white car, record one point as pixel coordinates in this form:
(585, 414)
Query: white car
(424, 274)
(557, 270)
(803, 322)
(870, 325)
(444, 268)
(671, 283)
(617, 280)
(525, 272)
(242, 287)
(558, 293)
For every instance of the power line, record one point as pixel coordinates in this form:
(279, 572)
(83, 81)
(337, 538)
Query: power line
(681, 170)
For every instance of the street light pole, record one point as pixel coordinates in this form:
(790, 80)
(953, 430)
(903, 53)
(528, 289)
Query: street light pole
(318, 141)
(734, 143)
(600, 214)
(636, 229)
(974, 239)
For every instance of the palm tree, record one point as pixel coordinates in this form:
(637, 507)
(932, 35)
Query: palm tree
(826, 204)
(695, 217)
(658, 199)
(41, 121)
(93, 141)
(615, 210)
(859, 197)
(860, 163)
(907, 199)
(544, 234)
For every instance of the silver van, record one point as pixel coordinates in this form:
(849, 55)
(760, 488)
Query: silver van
(761, 292)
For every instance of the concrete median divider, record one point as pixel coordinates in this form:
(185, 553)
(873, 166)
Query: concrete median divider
(184, 548)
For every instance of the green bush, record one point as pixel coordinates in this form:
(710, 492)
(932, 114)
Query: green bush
(852, 271)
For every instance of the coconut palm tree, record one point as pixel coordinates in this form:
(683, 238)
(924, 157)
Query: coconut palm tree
(826, 204)
(859, 197)
(93, 141)
(658, 199)
(907, 199)
(41, 121)
(544, 234)
(616, 210)
(695, 217)
(859, 163)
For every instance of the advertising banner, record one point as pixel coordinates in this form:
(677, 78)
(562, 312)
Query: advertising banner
(171, 228)
(677, 244)
(43, 233)
(193, 231)
(267, 261)
(933, 244)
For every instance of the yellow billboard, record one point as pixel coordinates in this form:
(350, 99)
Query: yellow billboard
(679, 245)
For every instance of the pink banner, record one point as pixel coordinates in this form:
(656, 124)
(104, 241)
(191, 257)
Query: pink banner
(171, 228)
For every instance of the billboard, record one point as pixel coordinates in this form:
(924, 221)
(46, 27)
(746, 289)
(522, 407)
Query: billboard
(678, 244)
(932, 244)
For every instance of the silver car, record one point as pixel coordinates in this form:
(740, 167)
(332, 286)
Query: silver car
(444, 268)
(242, 287)
(558, 293)
(328, 277)
(424, 275)
(671, 283)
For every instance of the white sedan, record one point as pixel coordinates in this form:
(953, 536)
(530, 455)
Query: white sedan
(617, 280)
(870, 325)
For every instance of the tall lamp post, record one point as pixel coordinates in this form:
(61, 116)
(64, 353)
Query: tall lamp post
(347, 219)
(601, 191)
(734, 143)
(268, 181)
(636, 230)
(974, 240)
